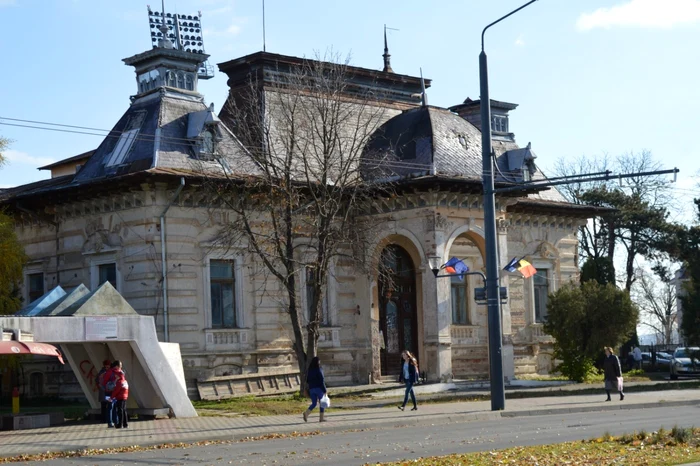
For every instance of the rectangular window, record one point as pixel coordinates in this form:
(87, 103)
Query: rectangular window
(460, 298)
(36, 286)
(541, 289)
(499, 124)
(122, 148)
(107, 273)
(310, 293)
(223, 285)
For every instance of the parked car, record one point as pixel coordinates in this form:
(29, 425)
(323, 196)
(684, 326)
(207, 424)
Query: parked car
(685, 362)
(662, 359)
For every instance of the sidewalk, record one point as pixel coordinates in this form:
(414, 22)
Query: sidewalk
(144, 433)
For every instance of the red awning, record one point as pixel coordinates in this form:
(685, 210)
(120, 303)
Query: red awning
(29, 347)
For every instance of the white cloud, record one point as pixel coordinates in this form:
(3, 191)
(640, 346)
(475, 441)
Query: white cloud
(520, 41)
(235, 27)
(217, 11)
(17, 157)
(643, 14)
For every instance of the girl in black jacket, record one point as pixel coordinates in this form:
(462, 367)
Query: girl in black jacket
(409, 376)
(316, 383)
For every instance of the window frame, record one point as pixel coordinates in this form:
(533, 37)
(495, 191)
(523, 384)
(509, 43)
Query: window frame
(548, 272)
(29, 275)
(465, 285)
(203, 149)
(241, 320)
(499, 123)
(95, 264)
(123, 147)
(306, 302)
(223, 281)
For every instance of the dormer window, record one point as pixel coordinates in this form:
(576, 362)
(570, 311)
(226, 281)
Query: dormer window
(208, 142)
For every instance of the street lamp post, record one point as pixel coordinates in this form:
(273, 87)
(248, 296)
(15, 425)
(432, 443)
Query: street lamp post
(498, 396)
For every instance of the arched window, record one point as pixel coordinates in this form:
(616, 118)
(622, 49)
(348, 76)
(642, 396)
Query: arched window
(181, 80)
(189, 82)
(172, 81)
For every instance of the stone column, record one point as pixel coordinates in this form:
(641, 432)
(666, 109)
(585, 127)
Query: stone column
(437, 318)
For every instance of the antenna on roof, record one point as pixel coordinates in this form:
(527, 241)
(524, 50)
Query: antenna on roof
(180, 32)
(165, 41)
(424, 96)
(263, 5)
(387, 57)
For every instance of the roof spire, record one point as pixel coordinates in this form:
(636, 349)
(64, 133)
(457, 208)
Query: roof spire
(424, 95)
(387, 57)
(164, 29)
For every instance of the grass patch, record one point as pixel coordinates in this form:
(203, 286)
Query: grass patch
(256, 406)
(660, 448)
(543, 378)
(631, 376)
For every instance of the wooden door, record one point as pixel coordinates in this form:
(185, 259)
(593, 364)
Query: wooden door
(398, 318)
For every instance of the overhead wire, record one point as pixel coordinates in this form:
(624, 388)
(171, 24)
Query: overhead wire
(91, 131)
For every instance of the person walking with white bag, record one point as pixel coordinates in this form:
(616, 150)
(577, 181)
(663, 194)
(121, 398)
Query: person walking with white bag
(316, 383)
(613, 373)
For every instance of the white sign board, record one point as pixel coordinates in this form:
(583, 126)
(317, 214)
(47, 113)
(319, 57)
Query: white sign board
(100, 328)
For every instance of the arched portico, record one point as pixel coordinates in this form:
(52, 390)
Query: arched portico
(397, 304)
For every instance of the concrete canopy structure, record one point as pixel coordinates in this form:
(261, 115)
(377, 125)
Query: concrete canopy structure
(92, 327)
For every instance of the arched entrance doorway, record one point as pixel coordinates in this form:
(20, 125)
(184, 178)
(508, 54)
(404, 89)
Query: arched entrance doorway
(398, 317)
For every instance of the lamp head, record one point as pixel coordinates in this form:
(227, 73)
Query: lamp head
(434, 262)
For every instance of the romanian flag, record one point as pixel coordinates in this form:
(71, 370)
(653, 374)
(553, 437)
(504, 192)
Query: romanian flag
(522, 266)
(455, 266)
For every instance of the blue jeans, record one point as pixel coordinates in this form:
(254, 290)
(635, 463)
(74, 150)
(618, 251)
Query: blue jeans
(409, 389)
(316, 395)
(109, 409)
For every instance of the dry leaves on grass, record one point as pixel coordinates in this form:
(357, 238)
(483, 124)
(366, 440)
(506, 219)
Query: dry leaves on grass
(135, 448)
(610, 451)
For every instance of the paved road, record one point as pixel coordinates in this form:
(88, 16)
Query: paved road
(389, 444)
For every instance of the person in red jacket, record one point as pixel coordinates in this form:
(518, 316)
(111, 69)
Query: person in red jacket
(120, 394)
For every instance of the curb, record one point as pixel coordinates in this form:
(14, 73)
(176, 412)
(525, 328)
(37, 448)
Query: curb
(611, 407)
(422, 419)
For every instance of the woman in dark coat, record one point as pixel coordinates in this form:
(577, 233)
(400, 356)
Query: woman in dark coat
(613, 373)
(316, 383)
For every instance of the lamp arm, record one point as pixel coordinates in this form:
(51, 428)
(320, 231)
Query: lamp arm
(501, 19)
(483, 277)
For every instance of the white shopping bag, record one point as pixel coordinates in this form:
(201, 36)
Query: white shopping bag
(325, 401)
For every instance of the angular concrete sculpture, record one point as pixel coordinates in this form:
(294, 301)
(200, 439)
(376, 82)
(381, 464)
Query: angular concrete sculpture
(98, 325)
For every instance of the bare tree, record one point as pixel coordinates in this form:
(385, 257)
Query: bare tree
(594, 243)
(656, 298)
(307, 207)
(638, 209)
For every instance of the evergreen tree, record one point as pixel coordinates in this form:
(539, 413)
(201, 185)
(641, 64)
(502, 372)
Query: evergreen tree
(583, 320)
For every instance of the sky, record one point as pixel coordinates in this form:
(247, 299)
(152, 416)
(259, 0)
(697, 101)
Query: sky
(591, 77)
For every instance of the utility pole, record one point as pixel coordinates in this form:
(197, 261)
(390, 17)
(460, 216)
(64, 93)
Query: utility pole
(498, 395)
